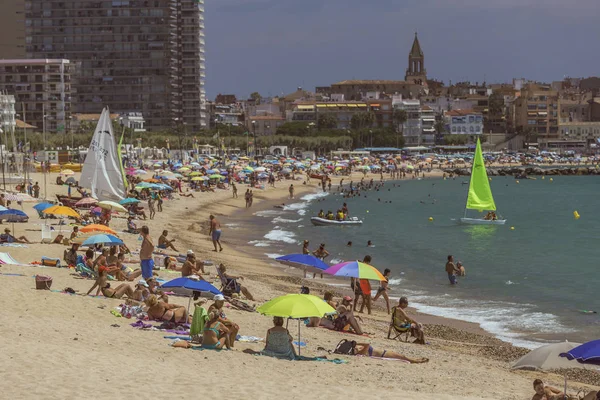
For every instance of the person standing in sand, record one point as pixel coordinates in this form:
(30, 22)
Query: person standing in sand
(291, 191)
(451, 270)
(215, 232)
(234, 189)
(147, 263)
(151, 207)
(383, 289)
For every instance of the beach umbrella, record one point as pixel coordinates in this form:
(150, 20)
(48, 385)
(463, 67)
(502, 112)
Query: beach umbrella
(2, 208)
(86, 202)
(97, 228)
(67, 172)
(195, 173)
(62, 210)
(248, 168)
(183, 169)
(546, 357)
(129, 200)
(13, 215)
(198, 178)
(140, 172)
(112, 206)
(355, 269)
(216, 176)
(587, 353)
(42, 206)
(305, 261)
(104, 239)
(582, 356)
(297, 306)
(260, 169)
(186, 286)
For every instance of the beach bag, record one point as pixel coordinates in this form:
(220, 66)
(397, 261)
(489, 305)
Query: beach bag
(51, 262)
(340, 323)
(43, 282)
(345, 347)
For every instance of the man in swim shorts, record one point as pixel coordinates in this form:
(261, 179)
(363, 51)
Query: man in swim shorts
(215, 232)
(451, 270)
(147, 262)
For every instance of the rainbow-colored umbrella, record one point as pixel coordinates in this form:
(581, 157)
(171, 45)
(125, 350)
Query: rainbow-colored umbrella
(355, 269)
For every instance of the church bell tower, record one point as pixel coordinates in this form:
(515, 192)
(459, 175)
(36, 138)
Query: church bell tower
(416, 72)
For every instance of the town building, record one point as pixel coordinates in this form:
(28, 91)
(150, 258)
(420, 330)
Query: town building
(86, 123)
(536, 112)
(343, 111)
(464, 122)
(8, 121)
(412, 128)
(12, 29)
(265, 125)
(42, 90)
(135, 55)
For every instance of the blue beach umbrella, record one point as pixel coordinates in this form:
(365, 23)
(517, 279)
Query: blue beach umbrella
(129, 200)
(191, 284)
(106, 240)
(13, 215)
(587, 353)
(304, 261)
(42, 206)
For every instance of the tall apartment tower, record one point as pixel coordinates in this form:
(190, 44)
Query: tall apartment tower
(12, 29)
(143, 56)
(416, 72)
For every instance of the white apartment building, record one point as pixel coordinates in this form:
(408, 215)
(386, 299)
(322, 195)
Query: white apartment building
(464, 122)
(7, 113)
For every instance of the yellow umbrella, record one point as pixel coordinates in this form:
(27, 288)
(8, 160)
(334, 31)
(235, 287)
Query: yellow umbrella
(198, 178)
(62, 210)
(66, 172)
(195, 173)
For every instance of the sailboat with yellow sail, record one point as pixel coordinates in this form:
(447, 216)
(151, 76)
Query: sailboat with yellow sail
(480, 194)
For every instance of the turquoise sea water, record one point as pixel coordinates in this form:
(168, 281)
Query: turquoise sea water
(524, 285)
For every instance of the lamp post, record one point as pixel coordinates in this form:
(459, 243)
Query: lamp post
(254, 135)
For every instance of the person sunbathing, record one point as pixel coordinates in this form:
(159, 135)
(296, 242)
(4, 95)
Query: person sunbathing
(153, 288)
(161, 311)
(402, 316)
(163, 243)
(232, 326)
(125, 273)
(544, 392)
(278, 342)
(365, 349)
(344, 320)
(215, 334)
(6, 237)
(104, 287)
(231, 281)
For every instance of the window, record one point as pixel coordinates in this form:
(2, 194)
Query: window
(531, 122)
(464, 129)
(453, 129)
(472, 129)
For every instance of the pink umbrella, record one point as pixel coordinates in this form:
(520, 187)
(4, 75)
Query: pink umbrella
(86, 202)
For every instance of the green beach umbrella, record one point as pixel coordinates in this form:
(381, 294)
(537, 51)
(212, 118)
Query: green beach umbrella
(195, 173)
(198, 178)
(216, 176)
(298, 306)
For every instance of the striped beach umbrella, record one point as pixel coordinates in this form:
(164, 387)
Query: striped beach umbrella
(355, 269)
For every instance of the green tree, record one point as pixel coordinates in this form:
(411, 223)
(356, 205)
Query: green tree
(327, 121)
(294, 128)
(362, 120)
(399, 117)
(256, 97)
(440, 129)
(454, 140)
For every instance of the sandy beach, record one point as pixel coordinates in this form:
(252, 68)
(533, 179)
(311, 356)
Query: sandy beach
(57, 345)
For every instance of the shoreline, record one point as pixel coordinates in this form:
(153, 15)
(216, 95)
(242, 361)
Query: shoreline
(80, 332)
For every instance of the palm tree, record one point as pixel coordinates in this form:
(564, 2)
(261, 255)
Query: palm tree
(440, 128)
(399, 117)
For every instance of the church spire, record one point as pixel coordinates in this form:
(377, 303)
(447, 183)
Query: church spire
(416, 72)
(416, 51)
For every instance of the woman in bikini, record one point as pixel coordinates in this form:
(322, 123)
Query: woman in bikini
(383, 289)
(365, 349)
(161, 311)
(215, 334)
(104, 287)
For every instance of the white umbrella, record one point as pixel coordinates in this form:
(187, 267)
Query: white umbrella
(546, 357)
(112, 206)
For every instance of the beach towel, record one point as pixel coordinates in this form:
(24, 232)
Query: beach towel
(6, 258)
(249, 339)
(6, 274)
(85, 271)
(198, 321)
(13, 245)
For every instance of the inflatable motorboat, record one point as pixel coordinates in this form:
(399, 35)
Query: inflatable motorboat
(316, 221)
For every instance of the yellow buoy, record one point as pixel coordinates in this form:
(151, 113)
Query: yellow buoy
(430, 219)
(576, 214)
(517, 181)
(367, 211)
(490, 179)
(551, 179)
(512, 228)
(543, 177)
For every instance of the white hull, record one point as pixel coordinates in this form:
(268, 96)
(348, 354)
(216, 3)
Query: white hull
(476, 221)
(316, 221)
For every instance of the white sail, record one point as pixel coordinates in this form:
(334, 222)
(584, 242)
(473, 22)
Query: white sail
(102, 172)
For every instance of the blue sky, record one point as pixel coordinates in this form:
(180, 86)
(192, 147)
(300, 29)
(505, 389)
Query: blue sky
(273, 46)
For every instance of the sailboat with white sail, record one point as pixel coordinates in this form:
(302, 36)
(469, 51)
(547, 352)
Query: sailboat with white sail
(102, 170)
(480, 194)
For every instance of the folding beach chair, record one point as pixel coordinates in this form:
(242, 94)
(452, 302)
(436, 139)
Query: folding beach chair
(85, 271)
(399, 327)
(228, 286)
